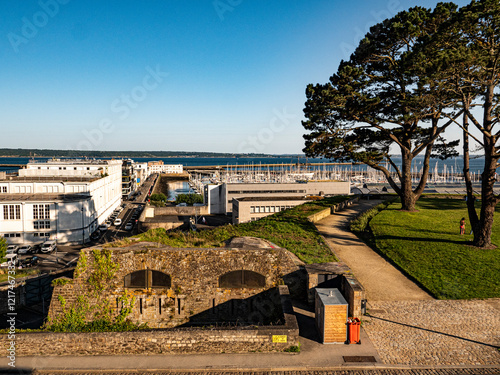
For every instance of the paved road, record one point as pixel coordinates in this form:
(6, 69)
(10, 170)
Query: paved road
(381, 280)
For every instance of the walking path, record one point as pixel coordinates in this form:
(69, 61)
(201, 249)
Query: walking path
(381, 280)
(405, 324)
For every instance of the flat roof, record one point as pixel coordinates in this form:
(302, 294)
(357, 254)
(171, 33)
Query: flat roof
(42, 197)
(331, 296)
(269, 199)
(50, 178)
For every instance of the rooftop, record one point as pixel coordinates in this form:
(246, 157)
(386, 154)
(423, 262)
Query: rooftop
(271, 199)
(23, 197)
(82, 178)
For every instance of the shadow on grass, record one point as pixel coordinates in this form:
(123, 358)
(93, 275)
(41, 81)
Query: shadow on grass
(437, 332)
(425, 239)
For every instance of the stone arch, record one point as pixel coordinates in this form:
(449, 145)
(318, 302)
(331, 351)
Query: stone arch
(145, 279)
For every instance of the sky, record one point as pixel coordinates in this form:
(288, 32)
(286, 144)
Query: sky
(172, 75)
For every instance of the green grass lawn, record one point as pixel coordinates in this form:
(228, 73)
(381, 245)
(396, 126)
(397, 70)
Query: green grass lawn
(427, 245)
(289, 229)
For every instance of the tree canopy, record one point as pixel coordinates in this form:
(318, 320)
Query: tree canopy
(380, 100)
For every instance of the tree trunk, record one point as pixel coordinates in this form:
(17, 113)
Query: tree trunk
(488, 198)
(407, 196)
(471, 209)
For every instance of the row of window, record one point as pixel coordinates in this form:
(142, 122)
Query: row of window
(41, 211)
(145, 279)
(267, 209)
(12, 212)
(42, 224)
(265, 191)
(7, 235)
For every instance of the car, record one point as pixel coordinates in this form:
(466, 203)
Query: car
(129, 226)
(117, 222)
(12, 260)
(29, 262)
(103, 227)
(12, 249)
(48, 246)
(182, 205)
(95, 235)
(25, 249)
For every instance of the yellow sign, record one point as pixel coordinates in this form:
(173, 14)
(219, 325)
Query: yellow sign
(279, 338)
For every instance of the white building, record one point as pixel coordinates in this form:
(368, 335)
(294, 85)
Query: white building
(219, 198)
(160, 167)
(65, 200)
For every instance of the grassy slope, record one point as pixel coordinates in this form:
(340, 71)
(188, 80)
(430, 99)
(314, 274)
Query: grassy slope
(289, 229)
(427, 245)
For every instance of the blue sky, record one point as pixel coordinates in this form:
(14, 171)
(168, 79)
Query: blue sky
(174, 75)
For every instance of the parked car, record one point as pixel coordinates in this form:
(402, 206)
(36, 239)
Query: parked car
(129, 226)
(95, 235)
(25, 249)
(29, 262)
(117, 222)
(48, 246)
(12, 259)
(12, 249)
(103, 227)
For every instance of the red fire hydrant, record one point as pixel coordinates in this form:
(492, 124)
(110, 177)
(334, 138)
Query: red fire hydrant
(353, 325)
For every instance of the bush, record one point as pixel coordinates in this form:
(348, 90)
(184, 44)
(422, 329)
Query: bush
(158, 197)
(3, 247)
(189, 199)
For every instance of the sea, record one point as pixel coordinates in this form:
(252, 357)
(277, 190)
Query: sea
(452, 165)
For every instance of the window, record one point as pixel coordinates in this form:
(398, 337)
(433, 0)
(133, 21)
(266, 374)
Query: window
(145, 279)
(242, 279)
(262, 209)
(267, 209)
(272, 208)
(42, 224)
(257, 209)
(41, 211)
(12, 212)
(252, 209)
(4, 189)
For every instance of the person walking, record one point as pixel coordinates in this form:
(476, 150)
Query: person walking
(462, 226)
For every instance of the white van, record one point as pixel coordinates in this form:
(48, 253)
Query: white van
(48, 246)
(12, 259)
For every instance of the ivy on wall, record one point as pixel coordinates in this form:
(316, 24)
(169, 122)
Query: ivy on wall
(91, 312)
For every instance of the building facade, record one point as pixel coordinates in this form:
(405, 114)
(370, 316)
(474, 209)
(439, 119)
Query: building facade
(160, 167)
(64, 200)
(253, 208)
(220, 197)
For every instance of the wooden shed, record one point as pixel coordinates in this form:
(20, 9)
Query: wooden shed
(331, 316)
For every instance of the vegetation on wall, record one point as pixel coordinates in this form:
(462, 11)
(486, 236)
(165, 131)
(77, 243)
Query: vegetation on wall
(91, 312)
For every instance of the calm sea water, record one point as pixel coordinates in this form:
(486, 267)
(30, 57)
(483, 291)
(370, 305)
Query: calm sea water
(476, 164)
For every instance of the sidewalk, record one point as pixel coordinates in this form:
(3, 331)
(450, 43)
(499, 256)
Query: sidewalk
(381, 280)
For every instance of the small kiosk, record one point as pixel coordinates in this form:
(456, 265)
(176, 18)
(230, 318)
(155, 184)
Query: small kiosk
(331, 316)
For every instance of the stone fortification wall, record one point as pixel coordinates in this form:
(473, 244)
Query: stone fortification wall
(195, 294)
(164, 341)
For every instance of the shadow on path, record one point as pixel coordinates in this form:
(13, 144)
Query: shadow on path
(433, 331)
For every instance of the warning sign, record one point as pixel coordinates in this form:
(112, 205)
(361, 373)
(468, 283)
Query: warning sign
(279, 338)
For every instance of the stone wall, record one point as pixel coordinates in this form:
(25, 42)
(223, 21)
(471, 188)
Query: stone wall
(194, 295)
(164, 341)
(354, 293)
(314, 218)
